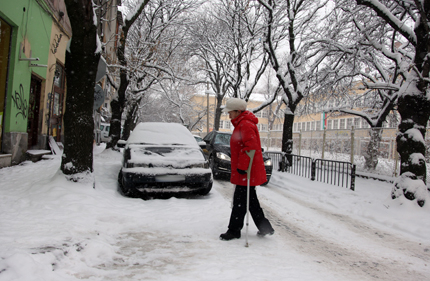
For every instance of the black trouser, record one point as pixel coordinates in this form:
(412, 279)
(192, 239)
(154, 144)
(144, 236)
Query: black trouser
(239, 211)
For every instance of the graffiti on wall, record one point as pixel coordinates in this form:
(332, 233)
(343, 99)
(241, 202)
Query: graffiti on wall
(57, 40)
(20, 103)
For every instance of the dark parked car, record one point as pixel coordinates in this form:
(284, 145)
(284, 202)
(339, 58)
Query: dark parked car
(163, 160)
(218, 152)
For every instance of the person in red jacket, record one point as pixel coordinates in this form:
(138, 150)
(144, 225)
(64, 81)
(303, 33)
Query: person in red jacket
(245, 137)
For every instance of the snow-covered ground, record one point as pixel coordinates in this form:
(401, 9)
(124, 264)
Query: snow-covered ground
(52, 229)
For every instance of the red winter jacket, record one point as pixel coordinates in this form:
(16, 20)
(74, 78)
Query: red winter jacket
(245, 137)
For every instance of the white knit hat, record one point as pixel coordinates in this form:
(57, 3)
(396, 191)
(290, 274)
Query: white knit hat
(234, 104)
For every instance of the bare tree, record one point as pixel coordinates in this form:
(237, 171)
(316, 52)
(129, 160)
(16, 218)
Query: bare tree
(117, 104)
(297, 21)
(153, 46)
(227, 40)
(363, 61)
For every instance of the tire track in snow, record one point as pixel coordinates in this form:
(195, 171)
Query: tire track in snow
(350, 260)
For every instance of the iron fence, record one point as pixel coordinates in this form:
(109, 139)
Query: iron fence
(322, 170)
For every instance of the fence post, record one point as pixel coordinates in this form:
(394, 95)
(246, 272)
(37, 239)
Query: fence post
(396, 158)
(352, 144)
(353, 177)
(300, 142)
(323, 144)
(313, 170)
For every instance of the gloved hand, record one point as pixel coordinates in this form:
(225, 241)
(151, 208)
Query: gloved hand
(242, 172)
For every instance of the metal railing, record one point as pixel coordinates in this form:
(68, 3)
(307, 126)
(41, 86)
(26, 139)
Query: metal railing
(322, 170)
(334, 172)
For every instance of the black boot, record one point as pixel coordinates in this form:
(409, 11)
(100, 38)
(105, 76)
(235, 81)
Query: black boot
(264, 233)
(229, 235)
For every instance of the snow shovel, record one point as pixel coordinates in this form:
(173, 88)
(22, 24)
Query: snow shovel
(251, 154)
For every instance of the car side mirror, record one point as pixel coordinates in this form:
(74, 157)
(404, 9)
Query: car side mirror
(121, 143)
(202, 146)
(262, 149)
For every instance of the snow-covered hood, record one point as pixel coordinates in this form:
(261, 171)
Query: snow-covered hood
(164, 156)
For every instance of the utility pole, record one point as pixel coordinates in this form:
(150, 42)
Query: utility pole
(207, 114)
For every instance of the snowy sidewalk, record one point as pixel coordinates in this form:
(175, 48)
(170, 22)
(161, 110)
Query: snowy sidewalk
(52, 229)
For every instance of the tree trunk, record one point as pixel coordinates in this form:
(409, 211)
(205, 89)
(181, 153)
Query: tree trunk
(372, 151)
(117, 106)
(81, 69)
(287, 136)
(130, 123)
(414, 109)
(218, 112)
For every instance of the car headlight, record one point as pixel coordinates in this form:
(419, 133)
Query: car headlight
(204, 165)
(268, 162)
(223, 156)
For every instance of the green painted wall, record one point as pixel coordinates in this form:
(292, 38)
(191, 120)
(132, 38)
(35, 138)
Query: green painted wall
(31, 25)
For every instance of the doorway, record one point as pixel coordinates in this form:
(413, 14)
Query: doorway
(5, 39)
(33, 112)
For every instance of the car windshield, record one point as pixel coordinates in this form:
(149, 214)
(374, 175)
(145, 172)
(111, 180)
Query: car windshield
(164, 155)
(222, 139)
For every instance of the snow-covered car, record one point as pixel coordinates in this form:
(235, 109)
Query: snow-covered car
(218, 152)
(163, 160)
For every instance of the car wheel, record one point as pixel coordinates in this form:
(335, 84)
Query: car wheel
(125, 191)
(205, 190)
(268, 179)
(212, 166)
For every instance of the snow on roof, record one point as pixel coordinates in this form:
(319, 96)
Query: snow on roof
(162, 133)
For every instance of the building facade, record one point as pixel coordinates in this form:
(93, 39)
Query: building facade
(34, 36)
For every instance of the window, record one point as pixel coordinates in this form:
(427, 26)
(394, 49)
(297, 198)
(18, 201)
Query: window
(357, 122)
(329, 124)
(264, 114)
(308, 126)
(299, 126)
(221, 124)
(227, 124)
(336, 124)
(264, 127)
(295, 127)
(349, 123)
(258, 114)
(342, 124)
(318, 125)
